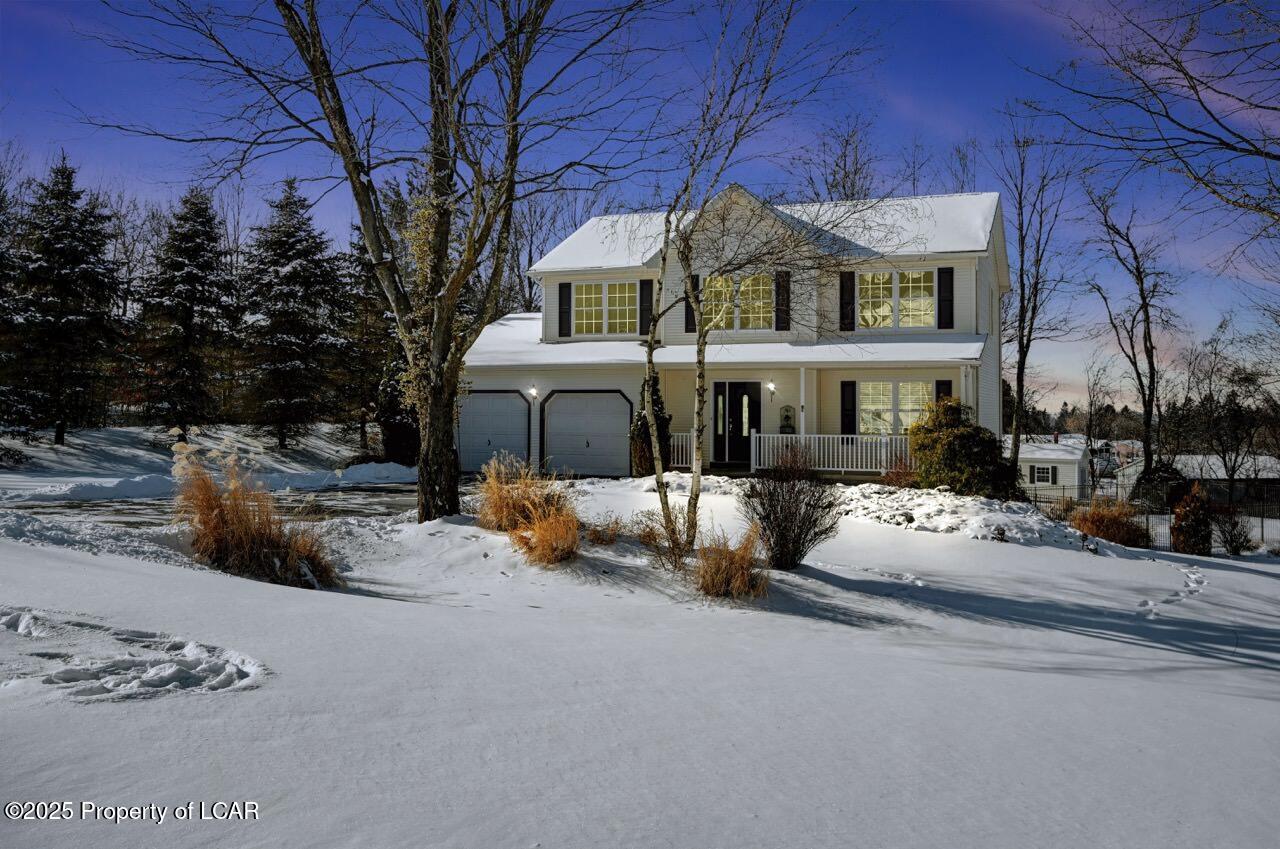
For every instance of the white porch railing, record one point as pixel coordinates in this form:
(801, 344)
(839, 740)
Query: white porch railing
(831, 452)
(682, 450)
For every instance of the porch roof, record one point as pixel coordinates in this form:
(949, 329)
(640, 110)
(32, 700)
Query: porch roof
(515, 341)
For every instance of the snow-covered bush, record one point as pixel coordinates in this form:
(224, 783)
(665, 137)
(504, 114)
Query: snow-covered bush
(549, 536)
(1231, 527)
(728, 569)
(511, 494)
(794, 508)
(950, 450)
(1111, 520)
(1191, 529)
(238, 529)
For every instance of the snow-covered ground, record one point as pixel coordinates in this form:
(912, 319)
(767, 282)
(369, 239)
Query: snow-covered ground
(132, 463)
(918, 684)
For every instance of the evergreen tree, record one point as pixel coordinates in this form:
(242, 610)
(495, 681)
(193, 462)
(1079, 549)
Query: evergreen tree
(366, 344)
(291, 280)
(67, 289)
(15, 411)
(181, 316)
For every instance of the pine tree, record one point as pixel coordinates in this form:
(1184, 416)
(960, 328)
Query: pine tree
(366, 342)
(181, 316)
(68, 288)
(291, 280)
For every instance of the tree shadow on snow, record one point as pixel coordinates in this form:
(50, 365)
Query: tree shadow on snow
(1242, 645)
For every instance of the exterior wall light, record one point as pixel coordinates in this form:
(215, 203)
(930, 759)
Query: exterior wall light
(770, 387)
(533, 391)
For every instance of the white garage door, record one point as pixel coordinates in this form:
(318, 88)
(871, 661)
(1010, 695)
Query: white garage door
(586, 433)
(490, 422)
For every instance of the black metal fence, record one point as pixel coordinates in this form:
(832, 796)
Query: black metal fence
(1258, 503)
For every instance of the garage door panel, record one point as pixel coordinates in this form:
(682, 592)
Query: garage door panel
(490, 423)
(587, 433)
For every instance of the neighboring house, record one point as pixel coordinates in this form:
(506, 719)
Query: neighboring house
(1054, 468)
(1258, 473)
(840, 361)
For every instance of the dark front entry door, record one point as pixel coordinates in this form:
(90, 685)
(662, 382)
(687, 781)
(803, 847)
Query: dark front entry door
(737, 413)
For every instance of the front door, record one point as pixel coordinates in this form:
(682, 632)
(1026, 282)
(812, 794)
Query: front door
(737, 413)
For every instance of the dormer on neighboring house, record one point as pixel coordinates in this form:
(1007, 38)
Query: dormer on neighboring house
(873, 310)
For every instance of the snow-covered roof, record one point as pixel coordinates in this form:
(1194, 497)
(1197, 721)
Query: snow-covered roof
(1049, 452)
(515, 341)
(1209, 467)
(907, 226)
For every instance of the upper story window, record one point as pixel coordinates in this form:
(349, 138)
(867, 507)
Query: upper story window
(600, 308)
(754, 309)
(897, 299)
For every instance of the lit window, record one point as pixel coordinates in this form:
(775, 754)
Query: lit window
(875, 299)
(717, 303)
(756, 298)
(912, 397)
(915, 299)
(588, 309)
(875, 407)
(624, 307)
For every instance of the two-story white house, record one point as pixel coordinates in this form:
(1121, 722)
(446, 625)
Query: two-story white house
(842, 358)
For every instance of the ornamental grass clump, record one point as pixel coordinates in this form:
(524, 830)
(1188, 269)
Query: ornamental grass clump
(549, 536)
(727, 569)
(238, 529)
(511, 494)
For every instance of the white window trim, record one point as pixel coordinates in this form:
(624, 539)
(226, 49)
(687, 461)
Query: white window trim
(895, 275)
(604, 298)
(895, 406)
(737, 306)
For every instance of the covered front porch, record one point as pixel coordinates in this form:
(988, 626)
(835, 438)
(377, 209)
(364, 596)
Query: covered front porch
(850, 420)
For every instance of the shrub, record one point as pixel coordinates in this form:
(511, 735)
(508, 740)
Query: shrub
(793, 507)
(729, 570)
(605, 530)
(642, 446)
(900, 473)
(1191, 529)
(511, 494)
(667, 551)
(950, 450)
(239, 530)
(1231, 527)
(1113, 521)
(549, 536)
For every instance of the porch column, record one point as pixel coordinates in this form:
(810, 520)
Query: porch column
(802, 383)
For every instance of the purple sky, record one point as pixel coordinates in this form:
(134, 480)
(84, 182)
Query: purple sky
(944, 70)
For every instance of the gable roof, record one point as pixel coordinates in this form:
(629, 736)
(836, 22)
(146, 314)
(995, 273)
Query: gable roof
(1048, 452)
(907, 226)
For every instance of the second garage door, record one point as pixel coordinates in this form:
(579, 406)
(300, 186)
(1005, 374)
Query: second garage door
(586, 433)
(489, 423)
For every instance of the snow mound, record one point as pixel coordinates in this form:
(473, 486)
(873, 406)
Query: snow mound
(940, 511)
(166, 544)
(677, 482)
(96, 662)
(142, 486)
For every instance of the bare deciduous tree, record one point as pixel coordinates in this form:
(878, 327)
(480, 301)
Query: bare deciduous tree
(960, 169)
(1137, 306)
(1099, 393)
(1036, 175)
(842, 164)
(496, 100)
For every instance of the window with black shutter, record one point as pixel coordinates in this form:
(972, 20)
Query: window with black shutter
(690, 321)
(782, 300)
(848, 300)
(848, 406)
(946, 298)
(646, 306)
(565, 309)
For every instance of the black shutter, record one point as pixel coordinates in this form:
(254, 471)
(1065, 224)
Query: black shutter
(566, 309)
(646, 306)
(690, 322)
(1031, 474)
(941, 389)
(848, 406)
(1053, 475)
(782, 300)
(848, 300)
(946, 298)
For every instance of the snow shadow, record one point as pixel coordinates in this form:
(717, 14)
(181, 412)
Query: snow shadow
(1244, 645)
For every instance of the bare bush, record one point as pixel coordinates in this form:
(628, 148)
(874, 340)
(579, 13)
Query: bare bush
(605, 530)
(900, 473)
(1231, 527)
(725, 569)
(794, 508)
(667, 548)
(1113, 521)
